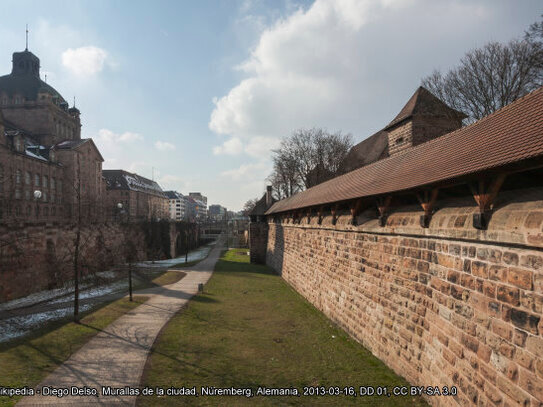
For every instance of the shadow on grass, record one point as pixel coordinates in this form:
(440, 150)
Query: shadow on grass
(204, 298)
(226, 266)
(54, 325)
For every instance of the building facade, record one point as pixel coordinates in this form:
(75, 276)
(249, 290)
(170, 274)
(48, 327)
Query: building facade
(131, 197)
(217, 213)
(47, 172)
(177, 205)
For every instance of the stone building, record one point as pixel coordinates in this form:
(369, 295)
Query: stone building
(140, 198)
(41, 150)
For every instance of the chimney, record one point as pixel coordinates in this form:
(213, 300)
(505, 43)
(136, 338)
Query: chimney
(268, 196)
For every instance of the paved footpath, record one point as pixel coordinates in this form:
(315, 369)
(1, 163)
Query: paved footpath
(116, 356)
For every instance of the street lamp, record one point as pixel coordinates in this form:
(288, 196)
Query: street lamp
(119, 210)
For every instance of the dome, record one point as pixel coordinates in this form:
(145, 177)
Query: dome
(24, 78)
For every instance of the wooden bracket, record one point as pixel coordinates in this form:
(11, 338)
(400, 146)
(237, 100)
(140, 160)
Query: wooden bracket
(427, 201)
(383, 205)
(485, 194)
(308, 216)
(334, 214)
(319, 214)
(355, 208)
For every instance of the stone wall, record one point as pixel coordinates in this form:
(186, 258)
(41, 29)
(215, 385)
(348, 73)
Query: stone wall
(34, 257)
(442, 306)
(258, 239)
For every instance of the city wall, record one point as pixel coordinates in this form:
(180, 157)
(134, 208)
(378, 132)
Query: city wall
(38, 256)
(447, 305)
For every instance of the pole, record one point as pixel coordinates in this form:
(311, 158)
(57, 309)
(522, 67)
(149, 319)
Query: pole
(130, 280)
(186, 245)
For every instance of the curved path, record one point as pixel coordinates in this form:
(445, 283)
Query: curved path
(116, 356)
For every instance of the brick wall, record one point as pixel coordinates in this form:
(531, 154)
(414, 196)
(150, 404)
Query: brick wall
(446, 305)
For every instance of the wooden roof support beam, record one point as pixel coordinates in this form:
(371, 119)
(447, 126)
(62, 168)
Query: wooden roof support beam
(356, 208)
(485, 194)
(308, 215)
(427, 201)
(383, 205)
(320, 211)
(333, 210)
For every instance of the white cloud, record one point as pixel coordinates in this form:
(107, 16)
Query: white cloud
(338, 64)
(246, 172)
(164, 146)
(233, 146)
(173, 182)
(108, 136)
(84, 61)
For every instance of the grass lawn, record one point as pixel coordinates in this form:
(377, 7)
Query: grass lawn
(250, 329)
(26, 361)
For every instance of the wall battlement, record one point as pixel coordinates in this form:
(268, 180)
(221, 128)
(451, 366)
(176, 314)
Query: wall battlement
(444, 305)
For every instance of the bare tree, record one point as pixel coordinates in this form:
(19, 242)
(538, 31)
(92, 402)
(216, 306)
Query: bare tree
(307, 158)
(249, 206)
(493, 76)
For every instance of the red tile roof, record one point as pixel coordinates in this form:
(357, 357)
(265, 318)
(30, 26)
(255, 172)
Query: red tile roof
(510, 135)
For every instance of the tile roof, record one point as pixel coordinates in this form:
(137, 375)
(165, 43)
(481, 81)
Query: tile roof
(120, 179)
(372, 149)
(510, 135)
(424, 103)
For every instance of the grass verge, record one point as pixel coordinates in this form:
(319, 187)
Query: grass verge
(250, 329)
(26, 361)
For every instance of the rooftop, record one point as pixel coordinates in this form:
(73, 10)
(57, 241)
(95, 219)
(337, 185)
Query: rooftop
(507, 138)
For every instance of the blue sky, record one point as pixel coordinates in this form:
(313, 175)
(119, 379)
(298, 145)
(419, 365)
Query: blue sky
(202, 90)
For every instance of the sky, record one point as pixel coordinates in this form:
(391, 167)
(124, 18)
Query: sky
(196, 94)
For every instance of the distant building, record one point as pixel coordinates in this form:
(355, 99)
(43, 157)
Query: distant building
(141, 198)
(41, 150)
(217, 212)
(200, 205)
(177, 205)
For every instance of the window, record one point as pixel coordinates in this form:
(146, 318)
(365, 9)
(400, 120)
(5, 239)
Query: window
(37, 180)
(37, 211)
(52, 183)
(46, 211)
(1, 178)
(53, 211)
(59, 186)
(27, 194)
(28, 210)
(45, 181)
(44, 196)
(53, 197)
(18, 177)
(27, 178)
(18, 211)
(17, 193)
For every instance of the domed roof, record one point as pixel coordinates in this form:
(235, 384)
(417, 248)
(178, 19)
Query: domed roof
(24, 78)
